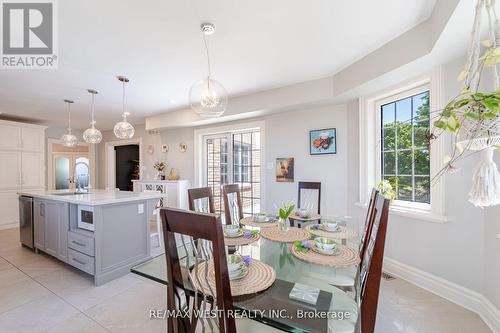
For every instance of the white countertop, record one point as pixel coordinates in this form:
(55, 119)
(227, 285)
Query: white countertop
(94, 198)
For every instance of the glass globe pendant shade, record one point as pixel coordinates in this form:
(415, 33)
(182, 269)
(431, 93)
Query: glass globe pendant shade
(124, 129)
(92, 135)
(69, 140)
(208, 98)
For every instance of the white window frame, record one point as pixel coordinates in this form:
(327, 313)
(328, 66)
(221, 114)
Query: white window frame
(199, 150)
(370, 148)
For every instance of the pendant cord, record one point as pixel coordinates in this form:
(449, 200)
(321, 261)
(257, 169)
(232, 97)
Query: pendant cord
(205, 41)
(93, 106)
(69, 117)
(124, 114)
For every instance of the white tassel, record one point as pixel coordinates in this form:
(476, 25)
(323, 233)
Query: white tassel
(485, 181)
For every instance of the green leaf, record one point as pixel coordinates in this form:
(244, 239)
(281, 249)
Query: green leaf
(472, 115)
(490, 115)
(490, 103)
(461, 102)
(440, 124)
(463, 75)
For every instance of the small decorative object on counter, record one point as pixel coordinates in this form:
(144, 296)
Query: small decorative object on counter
(159, 166)
(284, 213)
(173, 175)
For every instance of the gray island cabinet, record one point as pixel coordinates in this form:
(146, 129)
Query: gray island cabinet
(119, 239)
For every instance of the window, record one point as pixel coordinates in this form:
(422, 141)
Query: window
(234, 158)
(405, 158)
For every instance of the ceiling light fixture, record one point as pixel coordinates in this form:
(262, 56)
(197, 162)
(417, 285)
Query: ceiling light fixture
(124, 129)
(92, 134)
(68, 139)
(208, 97)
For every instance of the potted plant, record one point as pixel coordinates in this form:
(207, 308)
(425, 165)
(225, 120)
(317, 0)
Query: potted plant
(283, 214)
(386, 189)
(159, 166)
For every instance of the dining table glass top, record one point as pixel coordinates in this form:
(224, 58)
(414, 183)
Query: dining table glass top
(273, 306)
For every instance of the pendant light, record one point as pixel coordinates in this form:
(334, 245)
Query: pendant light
(68, 139)
(124, 129)
(208, 97)
(92, 134)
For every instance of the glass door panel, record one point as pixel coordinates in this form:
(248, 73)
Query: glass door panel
(62, 178)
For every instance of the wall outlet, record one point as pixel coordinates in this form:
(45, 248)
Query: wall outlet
(140, 208)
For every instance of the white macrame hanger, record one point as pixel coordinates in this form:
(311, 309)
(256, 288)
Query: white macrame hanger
(485, 189)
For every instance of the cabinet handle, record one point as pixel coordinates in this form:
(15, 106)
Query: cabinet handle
(79, 261)
(78, 243)
(42, 209)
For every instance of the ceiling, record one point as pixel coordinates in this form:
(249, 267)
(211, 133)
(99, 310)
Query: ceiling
(258, 45)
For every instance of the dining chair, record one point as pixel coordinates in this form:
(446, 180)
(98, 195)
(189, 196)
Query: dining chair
(368, 224)
(201, 200)
(157, 236)
(207, 229)
(371, 268)
(232, 203)
(310, 196)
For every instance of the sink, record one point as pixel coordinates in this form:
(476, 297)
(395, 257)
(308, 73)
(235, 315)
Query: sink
(65, 193)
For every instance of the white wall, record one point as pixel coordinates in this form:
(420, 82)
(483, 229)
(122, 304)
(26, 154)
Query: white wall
(287, 135)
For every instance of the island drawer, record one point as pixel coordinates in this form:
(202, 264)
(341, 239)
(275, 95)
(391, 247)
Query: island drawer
(81, 243)
(81, 261)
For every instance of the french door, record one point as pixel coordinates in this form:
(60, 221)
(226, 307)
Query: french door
(70, 169)
(234, 158)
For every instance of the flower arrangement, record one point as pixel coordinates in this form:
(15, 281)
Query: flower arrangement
(386, 189)
(303, 246)
(250, 234)
(159, 166)
(285, 211)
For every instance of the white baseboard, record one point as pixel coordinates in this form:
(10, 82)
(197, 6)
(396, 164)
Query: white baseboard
(453, 292)
(9, 226)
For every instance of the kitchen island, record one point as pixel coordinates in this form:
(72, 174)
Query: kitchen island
(102, 233)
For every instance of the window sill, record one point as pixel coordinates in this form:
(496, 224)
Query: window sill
(417, 214)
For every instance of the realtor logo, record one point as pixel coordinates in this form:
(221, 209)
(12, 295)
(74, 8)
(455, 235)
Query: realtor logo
(28, 34)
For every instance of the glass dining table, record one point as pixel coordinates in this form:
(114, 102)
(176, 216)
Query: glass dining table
(336, 307)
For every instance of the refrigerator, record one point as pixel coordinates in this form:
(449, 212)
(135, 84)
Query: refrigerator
(26, 221)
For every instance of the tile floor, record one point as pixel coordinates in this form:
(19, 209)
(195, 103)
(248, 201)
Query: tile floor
(41, 294)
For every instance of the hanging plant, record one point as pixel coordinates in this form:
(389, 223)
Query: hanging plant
(473, 117)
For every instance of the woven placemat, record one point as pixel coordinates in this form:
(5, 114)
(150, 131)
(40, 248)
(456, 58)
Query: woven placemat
(346, 258)
(341, 233)
(260, 277)
(312, 217)
(233, 241)
(250, 221)
(292, 235)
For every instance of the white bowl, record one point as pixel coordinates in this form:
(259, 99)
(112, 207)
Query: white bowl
(232, 230)
(303, 212)
(234, 263)
(261, 217)
(330, 225)
(324, 243)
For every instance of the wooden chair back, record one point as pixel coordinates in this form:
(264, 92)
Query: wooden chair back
(206, 228)
(201, 193)
(371, 268)
(309, 186)
(233, 210)
(368, 224)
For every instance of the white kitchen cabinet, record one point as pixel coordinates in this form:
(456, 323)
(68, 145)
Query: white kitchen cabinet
(22, 165)
(9, 208)
(174, 191)
(10, 169)
(32, 139)
(33, 170)
(10, 136)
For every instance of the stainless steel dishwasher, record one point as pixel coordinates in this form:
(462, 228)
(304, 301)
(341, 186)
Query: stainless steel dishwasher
(26, 220)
